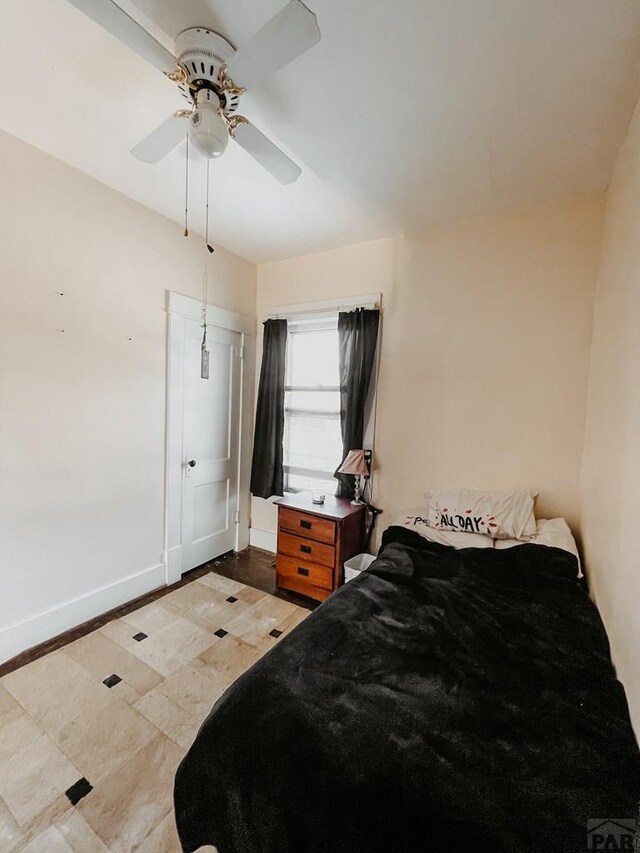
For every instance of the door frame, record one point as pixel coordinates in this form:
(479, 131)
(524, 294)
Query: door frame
(180, 308)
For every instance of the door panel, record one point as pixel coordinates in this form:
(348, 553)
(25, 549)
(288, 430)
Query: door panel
(210, 509)
(211, 418)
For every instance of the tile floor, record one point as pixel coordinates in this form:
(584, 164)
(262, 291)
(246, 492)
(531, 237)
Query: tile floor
(91, 733)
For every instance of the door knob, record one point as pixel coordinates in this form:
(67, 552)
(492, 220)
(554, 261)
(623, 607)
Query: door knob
(191, 463)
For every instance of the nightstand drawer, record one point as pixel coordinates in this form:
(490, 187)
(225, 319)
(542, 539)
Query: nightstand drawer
(306, 549)
(304, 573)
(309, 526)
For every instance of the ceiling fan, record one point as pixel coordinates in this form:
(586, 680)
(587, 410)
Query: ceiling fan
(212, 76)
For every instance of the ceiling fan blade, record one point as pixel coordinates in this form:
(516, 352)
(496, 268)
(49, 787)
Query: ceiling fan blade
(288, 34)
(266, 152)
(162, 140)
(116, 21)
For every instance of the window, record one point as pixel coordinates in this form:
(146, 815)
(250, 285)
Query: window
(312, 437)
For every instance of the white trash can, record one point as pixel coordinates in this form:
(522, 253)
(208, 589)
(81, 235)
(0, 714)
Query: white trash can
(357, 564)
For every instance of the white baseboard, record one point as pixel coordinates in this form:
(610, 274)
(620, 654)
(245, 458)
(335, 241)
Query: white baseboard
(173, 560)
(19, 636)
(264, 539)
(242, 539)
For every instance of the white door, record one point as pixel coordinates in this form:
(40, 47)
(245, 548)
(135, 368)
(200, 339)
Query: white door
(210, 444)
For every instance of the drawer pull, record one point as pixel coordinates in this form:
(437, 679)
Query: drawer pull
(306, 549)
(303, 572)
(306, 525)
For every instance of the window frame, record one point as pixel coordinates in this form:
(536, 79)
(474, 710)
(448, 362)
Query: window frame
(299, 324)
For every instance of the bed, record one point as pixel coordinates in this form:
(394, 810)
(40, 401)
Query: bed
(444, 700)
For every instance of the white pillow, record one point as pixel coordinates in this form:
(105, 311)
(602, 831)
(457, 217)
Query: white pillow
(500, 515)
(416, 519)
(552, 532)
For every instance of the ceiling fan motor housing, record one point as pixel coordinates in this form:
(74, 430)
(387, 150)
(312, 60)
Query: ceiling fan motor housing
(203, 53)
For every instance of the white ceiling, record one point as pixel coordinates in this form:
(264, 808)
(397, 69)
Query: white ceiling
(408, 114)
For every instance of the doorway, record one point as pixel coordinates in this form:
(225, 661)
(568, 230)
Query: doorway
(208, 437)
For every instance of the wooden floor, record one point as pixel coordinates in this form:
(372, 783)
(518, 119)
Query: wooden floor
(251, 567)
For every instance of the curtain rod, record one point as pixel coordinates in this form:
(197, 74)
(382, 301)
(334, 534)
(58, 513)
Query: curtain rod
(286, 315)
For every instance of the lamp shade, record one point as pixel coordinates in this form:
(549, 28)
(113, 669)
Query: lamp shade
(355, 463)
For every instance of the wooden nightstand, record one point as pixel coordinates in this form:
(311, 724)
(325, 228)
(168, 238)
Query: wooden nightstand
(314, 540)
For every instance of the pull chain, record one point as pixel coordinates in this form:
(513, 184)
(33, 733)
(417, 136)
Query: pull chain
(186, 191)
(204, 352)
(205, 288)
(206, 225)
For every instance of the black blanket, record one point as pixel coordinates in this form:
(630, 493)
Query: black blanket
(443, 700)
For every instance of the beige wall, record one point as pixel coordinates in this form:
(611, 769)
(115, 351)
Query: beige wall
(611, 475)
(82, 412)
(486, 338)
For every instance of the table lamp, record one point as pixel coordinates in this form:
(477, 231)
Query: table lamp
(355, 464)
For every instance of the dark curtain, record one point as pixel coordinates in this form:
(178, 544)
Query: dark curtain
(357, 339)
(266, 468)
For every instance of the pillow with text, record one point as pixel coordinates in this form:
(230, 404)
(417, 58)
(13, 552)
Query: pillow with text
(500, 515)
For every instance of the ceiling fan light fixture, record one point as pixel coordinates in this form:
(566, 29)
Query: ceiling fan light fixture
(208, 131)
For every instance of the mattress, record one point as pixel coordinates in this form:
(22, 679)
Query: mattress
(443, 700)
